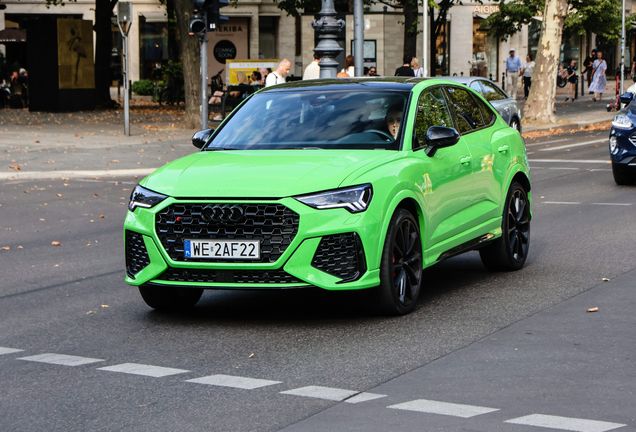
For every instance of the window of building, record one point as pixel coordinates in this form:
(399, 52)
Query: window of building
(153, 48)
(267, 40)
(485, 52)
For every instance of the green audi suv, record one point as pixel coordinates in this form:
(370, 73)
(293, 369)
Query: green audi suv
(339, 184)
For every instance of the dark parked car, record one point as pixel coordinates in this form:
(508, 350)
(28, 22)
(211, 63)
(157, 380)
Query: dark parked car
(622, 143)
(505, 105)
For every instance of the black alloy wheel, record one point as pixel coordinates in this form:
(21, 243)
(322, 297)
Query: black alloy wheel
(509, 252)
(401, 266)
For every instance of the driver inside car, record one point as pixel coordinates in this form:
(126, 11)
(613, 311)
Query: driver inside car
(394, 119)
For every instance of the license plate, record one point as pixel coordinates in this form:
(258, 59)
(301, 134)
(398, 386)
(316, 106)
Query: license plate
(222, 249)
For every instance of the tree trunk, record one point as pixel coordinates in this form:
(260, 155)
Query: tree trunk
(540, 105)
(410, 27)
(191, 60)
(103, 50)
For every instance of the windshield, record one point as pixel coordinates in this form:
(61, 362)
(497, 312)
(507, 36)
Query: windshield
(315, 119)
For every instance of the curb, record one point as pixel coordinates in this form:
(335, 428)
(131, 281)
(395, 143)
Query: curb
(34, 175)
(564, 126)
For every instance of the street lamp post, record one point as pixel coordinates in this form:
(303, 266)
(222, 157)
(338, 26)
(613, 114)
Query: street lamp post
(327, 28)
(623, 50)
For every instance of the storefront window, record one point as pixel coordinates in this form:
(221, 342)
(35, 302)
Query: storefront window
(442, 47)
(485, 52)
(267, 30)
(153, 48)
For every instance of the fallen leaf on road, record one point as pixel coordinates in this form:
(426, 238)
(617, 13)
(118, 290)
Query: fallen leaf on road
(251, 355)
(58, 195)
(104, 305)
(5, 247)
(141, 406)
(96, 195)
(20, 247)
(37, 142)
(606, 280)
(102, 216)
(17, 168)
(90, 312)
(88, 244)
(114, 161)
(76, 135)
(594, 309)
(42, 219)
(56, 243)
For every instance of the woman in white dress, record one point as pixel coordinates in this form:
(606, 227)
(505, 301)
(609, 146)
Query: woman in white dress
(599, 81)
(417, 70)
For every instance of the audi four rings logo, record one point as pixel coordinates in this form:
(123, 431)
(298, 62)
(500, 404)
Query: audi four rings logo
(218, 213)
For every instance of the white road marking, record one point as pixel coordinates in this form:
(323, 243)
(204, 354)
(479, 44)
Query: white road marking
(4, 350)
(363, 397)
(613, 204)
(563, 168)
(559, 202)
(547, 142)
(318, 392)
(61, 359)
(75, 174)
(587, 161)
(142, 369)
(565, 423)
(443, 408)
(575, 145)
(234, 381)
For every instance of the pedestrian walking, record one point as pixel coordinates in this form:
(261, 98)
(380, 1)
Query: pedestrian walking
(405, 69)
(256, 78)
(599, 80)
(417, 70)
(373, 71)
(313, 70)
(572, 80)
(278, 76)
(349, 67)
(513, 66)
(588, 63)
(528, 69)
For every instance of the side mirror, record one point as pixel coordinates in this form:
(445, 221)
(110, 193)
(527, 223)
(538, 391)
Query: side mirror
(438, 137)
(200, 138)
(626, 98)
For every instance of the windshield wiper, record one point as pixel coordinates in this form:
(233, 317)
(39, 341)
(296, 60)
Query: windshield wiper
(220, 148)
(307, 148)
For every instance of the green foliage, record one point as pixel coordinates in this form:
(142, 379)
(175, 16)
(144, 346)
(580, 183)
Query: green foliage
(143, 87)
(602, 17)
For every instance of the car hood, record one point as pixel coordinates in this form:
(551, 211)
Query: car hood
(261, 173)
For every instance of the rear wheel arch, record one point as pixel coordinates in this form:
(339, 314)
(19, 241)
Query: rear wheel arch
(521, 178)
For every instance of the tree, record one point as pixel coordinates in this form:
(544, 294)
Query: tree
(191, 59)
(570, 16)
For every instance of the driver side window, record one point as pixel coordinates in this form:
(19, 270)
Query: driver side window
(431, 111)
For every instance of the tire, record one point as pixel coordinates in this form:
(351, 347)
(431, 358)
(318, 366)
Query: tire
(401, 266)
(515, 124)
(622, 175)
(170, 299)
(509, 252)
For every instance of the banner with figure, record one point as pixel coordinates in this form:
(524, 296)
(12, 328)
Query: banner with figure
(75, 54)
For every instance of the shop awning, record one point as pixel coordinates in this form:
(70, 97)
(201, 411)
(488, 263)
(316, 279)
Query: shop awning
(12, 35)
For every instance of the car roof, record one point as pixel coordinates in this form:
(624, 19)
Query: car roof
(362, 83)
(463, 80)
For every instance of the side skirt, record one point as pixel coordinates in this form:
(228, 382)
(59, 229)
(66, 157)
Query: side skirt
(475, 243)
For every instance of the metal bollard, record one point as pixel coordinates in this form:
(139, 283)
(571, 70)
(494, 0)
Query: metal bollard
(462, 73)
(503, 81)
(490, 77)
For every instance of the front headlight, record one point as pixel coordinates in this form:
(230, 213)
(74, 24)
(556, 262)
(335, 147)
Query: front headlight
(622, 121)
(355, 199)
(142, 197)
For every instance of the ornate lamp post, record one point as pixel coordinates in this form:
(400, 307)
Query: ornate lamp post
(327, 28)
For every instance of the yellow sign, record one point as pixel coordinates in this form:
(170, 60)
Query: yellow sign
(75, 54)
(238, 70)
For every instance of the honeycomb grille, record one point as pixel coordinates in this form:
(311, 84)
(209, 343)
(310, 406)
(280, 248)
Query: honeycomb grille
(136, 254)
(257, 277)
(340, 255)
(274, 225)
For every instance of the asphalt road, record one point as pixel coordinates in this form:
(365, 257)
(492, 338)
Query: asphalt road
(458, 352)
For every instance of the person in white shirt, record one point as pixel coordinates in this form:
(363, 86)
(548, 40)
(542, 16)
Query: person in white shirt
(349, 68)
(278, 76)
(528, 68)
(313, 70)
(417, 70)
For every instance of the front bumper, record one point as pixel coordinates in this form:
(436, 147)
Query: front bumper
(625, 151)
(330, 249)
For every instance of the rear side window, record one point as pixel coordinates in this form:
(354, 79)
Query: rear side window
(491, 92)
(464, 109)
(431, 111)
(486, 111)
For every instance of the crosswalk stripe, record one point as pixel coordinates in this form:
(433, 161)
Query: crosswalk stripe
(595, 161)
(318, 392)
(364, 397)
(443, 408)
(565, 423)
(233, 381)
(4, 350)
(61, 359)
(142, 369)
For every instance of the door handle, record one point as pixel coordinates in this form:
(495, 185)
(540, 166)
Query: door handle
(465, 160)
(503, 149)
